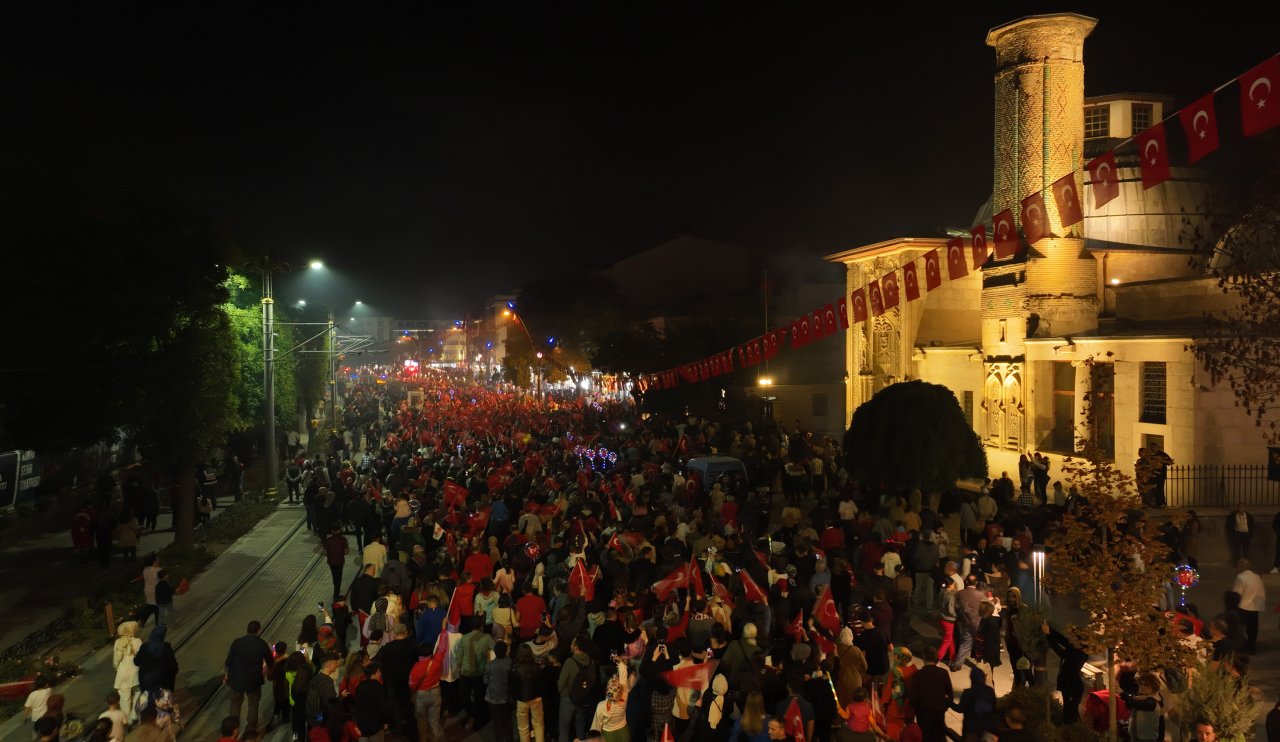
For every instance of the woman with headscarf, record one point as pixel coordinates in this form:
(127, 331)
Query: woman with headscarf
(611, 713)
(717, 712)
(123, 651)
(157, 664)
(378, 621)
(893, 698)
(851, 667)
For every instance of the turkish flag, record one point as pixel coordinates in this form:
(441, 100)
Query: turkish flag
(932, 270)
(769, 345)
(1103, 178)
(694, 677)
(1066, 196)
(910, 281)
(955, 259)
(825, 612)
(829, 324)
(1006, 234)
(978, 245)
(699, 590)
(454, 493)
(877, 299)
(1200, 122)
(889, 290)
(678, 578)
(750, 590)
(1257, 111)
(795, 722)
(680, 629)
(842, 312)
(583, 583)
(859, 299)
(818, 327)
(720, 591)
(1035, 220)
(667, 736)
(795, 628)
(1153, 156)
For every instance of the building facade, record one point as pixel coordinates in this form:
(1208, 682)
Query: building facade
(1011, 339)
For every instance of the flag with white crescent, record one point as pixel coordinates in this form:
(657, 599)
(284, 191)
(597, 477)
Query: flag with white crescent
(1257, 88)
(1103, 179)
(877, 300)
(817, 328)
(1035, 221)
(830, 325)
(978, 245)
(859, 299)
(1006, 234)
(1065, 196)
(795, 722)
(889, 290)
(842, 312)
(955, 259)
(909, 280)
(825, 611)
(1153, 156)
(692, 677)
(1200, 123)
(932, 270)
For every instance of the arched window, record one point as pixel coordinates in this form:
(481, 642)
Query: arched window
(1013, 411)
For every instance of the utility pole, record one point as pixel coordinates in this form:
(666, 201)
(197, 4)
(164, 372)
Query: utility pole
(333, 374)
(269, 377)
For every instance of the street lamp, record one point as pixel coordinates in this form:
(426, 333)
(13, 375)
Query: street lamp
(316, 265)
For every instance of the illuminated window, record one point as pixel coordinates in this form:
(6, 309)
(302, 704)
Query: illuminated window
(1097, 121)
(1153, 392)
(1142, 114)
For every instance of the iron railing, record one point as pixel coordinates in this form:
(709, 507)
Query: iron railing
(1218, 486)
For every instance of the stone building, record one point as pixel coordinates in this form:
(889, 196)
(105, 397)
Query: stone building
(1009, 339)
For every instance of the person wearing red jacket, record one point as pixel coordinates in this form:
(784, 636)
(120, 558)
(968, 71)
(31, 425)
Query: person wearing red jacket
(424, 681)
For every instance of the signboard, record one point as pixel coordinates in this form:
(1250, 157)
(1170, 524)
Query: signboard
(18, 477)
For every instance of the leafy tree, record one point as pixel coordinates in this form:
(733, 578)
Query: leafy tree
(913, 434)
(1239, 245)
(1116, 567)
(1217, 696)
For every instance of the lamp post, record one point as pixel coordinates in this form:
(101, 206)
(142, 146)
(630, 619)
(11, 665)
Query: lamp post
(269, 377)
(515, 318)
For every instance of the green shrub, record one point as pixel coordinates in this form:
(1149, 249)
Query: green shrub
(1215, 695)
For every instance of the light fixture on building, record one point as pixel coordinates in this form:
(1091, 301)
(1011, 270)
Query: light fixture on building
(1115, 282)
(765, 381)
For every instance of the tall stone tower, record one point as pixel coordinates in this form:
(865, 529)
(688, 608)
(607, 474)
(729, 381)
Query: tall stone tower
(1052, 290)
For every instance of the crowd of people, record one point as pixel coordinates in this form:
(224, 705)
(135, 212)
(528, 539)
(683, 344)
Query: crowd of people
(557, 570)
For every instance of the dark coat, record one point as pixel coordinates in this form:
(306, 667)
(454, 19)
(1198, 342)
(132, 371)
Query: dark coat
(246, 659)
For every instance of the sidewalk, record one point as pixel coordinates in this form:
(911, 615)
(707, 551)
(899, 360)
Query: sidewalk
(201, 645)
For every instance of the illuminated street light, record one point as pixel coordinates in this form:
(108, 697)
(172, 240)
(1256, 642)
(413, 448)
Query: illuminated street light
(765, 381)
(359, 303)
(302, 302)
(316, 265)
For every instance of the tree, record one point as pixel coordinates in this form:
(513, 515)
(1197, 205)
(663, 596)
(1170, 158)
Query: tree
(1219, 697)
(913, 435)
(1239, 245)
(1103, 554)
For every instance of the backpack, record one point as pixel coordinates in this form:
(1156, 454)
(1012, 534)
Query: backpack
(584, 691)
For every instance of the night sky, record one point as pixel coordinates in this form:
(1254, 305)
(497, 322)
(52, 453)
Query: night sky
(434, 159)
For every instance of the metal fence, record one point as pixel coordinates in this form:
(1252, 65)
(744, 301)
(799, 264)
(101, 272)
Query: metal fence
(1215, 486)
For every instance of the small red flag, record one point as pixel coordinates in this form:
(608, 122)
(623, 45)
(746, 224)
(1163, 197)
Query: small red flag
(667, 736)
(910, 281)
(1257, 112)
(889, 290)
(693, 677)
(678, 578)
(829, 324)
(720, 591)
(1035, 221)
(842, 312)
(795, 722)
(877, 299)
(824, 610)
(978, 245)
(1006, 234)
(859, 298)
(955, 259)
(1067, 200)
(1153, 156)
(817, 328)
(454, 493)
(932, 271)
(750, 590)
(795, 628)
(1103, 178)
(1200, 122)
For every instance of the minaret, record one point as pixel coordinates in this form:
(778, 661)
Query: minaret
(1039, 137)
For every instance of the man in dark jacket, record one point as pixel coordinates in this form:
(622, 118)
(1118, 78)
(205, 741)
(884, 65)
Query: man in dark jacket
(363, 590)
(397, 659)
(1069, 682)
(323, 688)
(930, 692)
(248, 662)
(372, 706)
